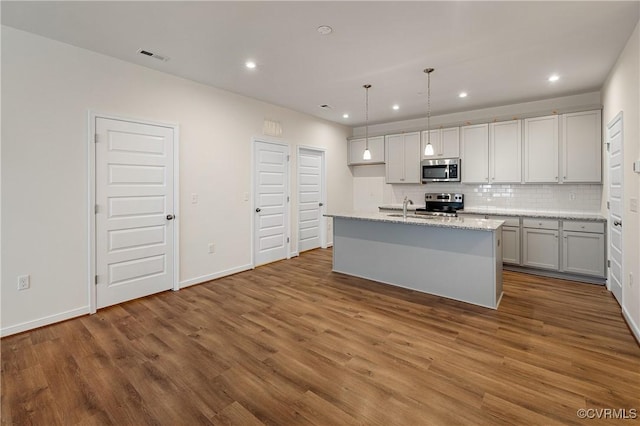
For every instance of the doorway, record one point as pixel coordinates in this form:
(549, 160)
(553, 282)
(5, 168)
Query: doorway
(311, 199)
(616, 205)
(270, 201)
(134, 205)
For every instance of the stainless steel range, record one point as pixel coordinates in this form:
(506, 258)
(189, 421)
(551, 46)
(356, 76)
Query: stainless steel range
(442, 204)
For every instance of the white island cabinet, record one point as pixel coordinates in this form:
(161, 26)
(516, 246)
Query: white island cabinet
(456, 258)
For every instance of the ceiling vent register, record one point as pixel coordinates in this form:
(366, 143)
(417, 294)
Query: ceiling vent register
(153, 55)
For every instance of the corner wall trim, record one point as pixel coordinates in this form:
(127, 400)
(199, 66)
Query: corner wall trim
(40, 322)
(209, 277)
(632, 325)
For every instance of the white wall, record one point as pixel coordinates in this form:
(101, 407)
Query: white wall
(621, 92)
(47, 90)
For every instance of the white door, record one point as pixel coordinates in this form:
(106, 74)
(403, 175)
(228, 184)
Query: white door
(271, 202)
(134, 210)
(616, 174)
(310, 199)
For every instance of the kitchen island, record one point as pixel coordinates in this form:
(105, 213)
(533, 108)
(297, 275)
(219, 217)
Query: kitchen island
(457, 258)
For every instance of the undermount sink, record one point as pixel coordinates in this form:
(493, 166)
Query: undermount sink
(413, 216)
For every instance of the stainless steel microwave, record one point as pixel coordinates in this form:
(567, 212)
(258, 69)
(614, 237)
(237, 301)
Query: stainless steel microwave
(441, 170)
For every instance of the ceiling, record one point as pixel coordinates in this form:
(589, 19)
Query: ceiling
(498, 52)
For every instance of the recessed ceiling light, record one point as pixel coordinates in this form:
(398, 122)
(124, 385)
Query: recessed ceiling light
(396, 107)
(325, 29)
(345, 115)
(554, 77)
(462, 95)
(250, 64)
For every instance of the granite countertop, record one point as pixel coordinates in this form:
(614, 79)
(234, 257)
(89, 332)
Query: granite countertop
(435, 221)
(399, 206)
(548, 214)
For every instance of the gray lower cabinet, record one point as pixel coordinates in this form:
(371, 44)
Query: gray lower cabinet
(510, 239)
(540, 244)
(511, 245)
(583, 248)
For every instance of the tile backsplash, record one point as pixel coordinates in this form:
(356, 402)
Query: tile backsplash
(371, 192)
(586, 198)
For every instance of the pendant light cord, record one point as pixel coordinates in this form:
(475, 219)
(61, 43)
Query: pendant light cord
(366, 116)
(428, 71)
(429, 107)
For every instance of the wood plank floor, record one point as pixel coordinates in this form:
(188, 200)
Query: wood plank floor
(293, 343)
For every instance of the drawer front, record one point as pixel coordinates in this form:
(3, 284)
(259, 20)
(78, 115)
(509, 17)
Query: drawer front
(580, 226)
(540, 223)
(508, 220)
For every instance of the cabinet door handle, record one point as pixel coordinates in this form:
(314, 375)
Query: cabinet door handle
(258, 210)
(170, 217)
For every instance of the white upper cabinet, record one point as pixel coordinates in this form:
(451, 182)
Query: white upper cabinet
(541, 149)
(403, 158)
(505, 152)
(581, 142)
(357, 146)
(474, 147)
(446, 143)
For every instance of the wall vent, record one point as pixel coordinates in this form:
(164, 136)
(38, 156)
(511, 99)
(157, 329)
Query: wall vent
(153, 55)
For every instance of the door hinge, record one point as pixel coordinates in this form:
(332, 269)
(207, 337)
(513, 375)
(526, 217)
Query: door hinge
(608, 145)
(95, 209)
(288, 156)
(95, 138)
(608, 263)
(96, 280)
(287, 239)
(287, 198)
(608, 205)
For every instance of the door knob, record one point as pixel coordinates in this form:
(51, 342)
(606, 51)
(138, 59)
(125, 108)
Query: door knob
(170, 217)
(321, 204)
(258, 210)
(617, 223)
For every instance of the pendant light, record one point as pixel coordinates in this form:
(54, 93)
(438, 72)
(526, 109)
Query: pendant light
(367, 154)
(428, 148)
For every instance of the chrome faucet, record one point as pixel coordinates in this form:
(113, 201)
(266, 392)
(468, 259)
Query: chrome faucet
(404, 206)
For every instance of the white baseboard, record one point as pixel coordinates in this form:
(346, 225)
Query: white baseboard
(209, 277)
(40, 322)
(632, 325)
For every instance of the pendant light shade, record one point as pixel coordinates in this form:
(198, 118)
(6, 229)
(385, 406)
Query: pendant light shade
(428, 148)
(367, 154)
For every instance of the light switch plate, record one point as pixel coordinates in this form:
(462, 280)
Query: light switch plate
(633, 204)
(636, 166)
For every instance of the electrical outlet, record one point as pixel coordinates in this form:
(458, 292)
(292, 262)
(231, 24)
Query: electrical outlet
(24, 282)
(212, 248)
